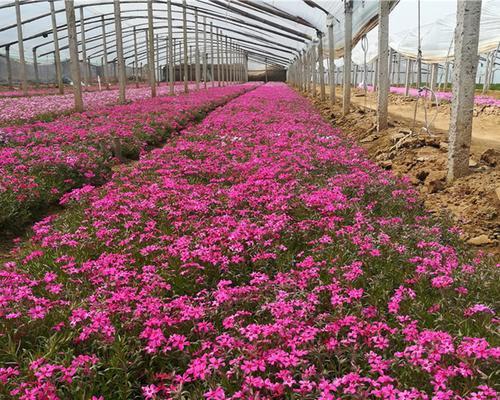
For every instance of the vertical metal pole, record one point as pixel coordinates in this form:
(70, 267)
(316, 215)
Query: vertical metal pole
(171, 48)
(151, 49)
(84, 47)
(184, 31)
(331, 55)
(119, 51)
(57, 53)
(398, 80)
(196, 50)
(173, 60)
(463, 87)
(205, 54)
(167, 61)
(321, 67)
(434, 75)
(347, 57)
(135, 59)
(35, 66)
(20, 43)
(89, 67)
(73, 50)
(383, 67)
(105, 54)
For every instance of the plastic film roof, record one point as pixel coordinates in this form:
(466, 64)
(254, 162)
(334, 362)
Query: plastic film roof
(437, 37)
(275, 30)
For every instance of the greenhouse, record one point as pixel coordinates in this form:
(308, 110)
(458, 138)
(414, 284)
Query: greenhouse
(249, 199)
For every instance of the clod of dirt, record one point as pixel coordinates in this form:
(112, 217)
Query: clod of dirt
(480, 240)
(497, 191)
(491, 157)
(472, 163)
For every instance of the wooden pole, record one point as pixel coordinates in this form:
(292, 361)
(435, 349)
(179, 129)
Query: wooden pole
(151, 49)
(57, 53)
(347, 57)
(119, 52)
(463, 87)
(331, 56)
(184, 36)
(84, 48)
(171, 48)
(384, 9)
(73, 51)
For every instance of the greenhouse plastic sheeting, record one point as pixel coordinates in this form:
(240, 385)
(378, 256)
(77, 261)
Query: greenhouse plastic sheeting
(436, 38)
(252, 24)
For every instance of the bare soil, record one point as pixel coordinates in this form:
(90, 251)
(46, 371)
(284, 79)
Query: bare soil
(419, 151)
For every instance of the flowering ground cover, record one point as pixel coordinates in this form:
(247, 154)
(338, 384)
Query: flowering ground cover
(446, 96)
(20, 109)
(40, 161)
(258, 255)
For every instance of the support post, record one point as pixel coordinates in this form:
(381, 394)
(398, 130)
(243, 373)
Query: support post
(119, 52)
(265, 63)
(84, 47)
(135, 59)
(217, 38)
(73, 51)
(212, 70)
(347, 57)
(184, 37)
(398, 80)
(314, 71)
(151, 49)
(57, 53)
(35, 66)
(9, 67)
(196, 50)
(464, 76)
(104, 54)
(321, 67)
(382, 62)
(205, 54)
(407, 77)
(434, 76)
(171, 64)
(20, 43)
(331, 56)
(158, 70)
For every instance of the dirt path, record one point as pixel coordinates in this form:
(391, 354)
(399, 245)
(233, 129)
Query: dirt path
(472, 202)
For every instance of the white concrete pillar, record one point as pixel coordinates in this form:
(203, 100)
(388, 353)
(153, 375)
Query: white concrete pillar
(151, 49)
(119, 52)
(73, 51)
(347, 56)
(57, 53)
(185, 50)
(383, 67)
(331, 56)
(463, 86)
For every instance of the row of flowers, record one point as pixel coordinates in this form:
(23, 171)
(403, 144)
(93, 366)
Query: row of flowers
(441, 96)
(40, 161)
(45, 107)
(258, 255)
